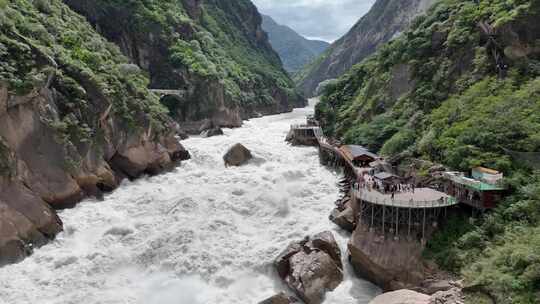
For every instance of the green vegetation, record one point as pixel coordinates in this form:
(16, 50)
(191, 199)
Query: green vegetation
(213, 44)
(45, 43)
(295, 51)
(435, 93)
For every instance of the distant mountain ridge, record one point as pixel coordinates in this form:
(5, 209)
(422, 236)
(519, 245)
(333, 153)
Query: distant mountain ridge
(385, 20)
(295, 50)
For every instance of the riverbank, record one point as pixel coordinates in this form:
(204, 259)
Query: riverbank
(199, 234)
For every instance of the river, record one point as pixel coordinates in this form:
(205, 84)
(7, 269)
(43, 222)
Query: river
(201, 233)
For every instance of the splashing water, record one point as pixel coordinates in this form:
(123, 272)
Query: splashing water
(202, 233)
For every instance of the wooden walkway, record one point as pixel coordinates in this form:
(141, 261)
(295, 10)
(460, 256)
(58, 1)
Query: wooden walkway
(422, 198)
(409, 214)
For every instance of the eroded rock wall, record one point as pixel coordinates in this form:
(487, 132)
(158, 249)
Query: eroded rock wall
(37, 174)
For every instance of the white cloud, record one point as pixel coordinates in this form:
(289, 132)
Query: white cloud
(326, 19)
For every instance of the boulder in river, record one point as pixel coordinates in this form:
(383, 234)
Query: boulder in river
(212, 132)
(280, 298)
(237, 155)
(311, 267)
(403, 296)
(206, 124)
(343, 218)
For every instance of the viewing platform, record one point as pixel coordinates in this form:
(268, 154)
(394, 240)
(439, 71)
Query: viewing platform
(380, 200)
(420, 199)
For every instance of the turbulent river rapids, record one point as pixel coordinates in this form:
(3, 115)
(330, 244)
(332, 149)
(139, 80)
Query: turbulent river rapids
(200, 234)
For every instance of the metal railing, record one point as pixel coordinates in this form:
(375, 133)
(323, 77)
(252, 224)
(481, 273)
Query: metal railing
(378, 198)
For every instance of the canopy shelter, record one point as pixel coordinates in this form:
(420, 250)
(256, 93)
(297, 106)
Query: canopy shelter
(386, 179)
(358, 155)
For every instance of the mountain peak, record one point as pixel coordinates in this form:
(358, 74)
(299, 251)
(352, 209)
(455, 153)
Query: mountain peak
(294, 49)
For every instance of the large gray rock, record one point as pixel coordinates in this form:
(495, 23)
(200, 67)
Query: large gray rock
(343, 218)
(326, 242)
(280, 298)
(311, 267)
(212, 132)
(237, 156)
(403, 296)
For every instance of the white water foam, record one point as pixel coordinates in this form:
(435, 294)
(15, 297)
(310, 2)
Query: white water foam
(202, 234)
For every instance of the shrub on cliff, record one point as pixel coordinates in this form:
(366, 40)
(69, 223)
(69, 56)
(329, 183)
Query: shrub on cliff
(437, 92)
(45, 43)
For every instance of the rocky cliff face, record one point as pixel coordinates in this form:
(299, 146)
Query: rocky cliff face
(390, 263)
(385, 20)
(75, 119)
(214, 52)
(295, 51)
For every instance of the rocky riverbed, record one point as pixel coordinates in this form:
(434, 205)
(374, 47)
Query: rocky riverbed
(202, 233)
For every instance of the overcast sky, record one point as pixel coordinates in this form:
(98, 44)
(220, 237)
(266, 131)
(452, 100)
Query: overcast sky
(317, 19)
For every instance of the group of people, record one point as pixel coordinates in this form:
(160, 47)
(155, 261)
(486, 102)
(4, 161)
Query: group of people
(367, 182)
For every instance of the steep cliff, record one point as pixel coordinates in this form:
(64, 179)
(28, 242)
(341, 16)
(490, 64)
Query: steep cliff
(386, 20)
(295, 51)
(214, 52)
(75, 119)
(460, 88)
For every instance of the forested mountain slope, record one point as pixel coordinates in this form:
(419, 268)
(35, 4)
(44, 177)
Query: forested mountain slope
(461, 87)
(214, 51)
(385, 20)
(75, 119)
(295, 50)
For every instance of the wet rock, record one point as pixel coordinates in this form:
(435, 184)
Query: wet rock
(280, 298)
(282, 261)
(326, 242)
(237, 155)
(290, 136)
(343, 218)
(206, 124)
(390, 263)
(403, 296)
(311, 267)
(26, 222)
(212, 132)
(38, 172)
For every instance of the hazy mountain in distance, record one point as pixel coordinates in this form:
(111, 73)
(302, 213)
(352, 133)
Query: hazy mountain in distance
(294, 49)
(385, 20)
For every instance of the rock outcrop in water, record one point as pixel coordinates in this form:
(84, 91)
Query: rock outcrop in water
(280, 299)
(343, 216)
(237, 155)
(311, 267)
(385, 20)
(212, 132)
(405, 296)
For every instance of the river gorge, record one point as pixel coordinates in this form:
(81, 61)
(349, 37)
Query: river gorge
(202, 233)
